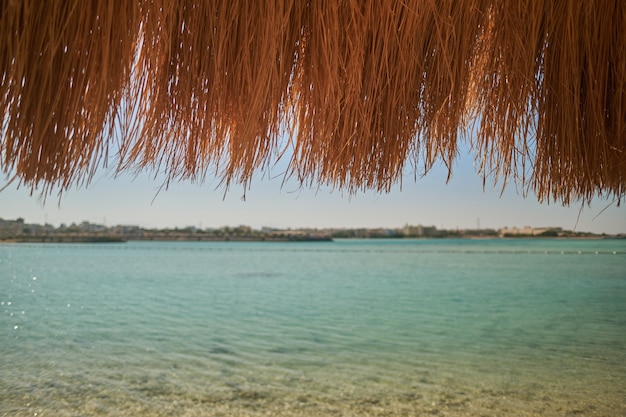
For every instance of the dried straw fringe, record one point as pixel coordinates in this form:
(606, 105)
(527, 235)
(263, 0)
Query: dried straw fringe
(362, 87)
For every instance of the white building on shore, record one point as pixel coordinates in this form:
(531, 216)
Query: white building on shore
(529, 231)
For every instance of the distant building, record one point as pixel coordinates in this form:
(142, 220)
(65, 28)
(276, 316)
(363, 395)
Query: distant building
(412, 231)
(530, 231)
(13, 228)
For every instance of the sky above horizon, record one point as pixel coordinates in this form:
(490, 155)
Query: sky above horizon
(429, 201)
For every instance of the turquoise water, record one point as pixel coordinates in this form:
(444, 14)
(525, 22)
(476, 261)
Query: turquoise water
(345, 328)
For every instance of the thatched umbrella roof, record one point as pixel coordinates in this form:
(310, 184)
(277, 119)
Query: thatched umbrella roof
(360, 88)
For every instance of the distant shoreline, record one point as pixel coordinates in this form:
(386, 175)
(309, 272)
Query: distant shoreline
(20, 231)
(117, 239)
(66, 239)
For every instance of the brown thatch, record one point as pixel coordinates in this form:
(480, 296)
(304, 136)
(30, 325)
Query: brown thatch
(360, 88)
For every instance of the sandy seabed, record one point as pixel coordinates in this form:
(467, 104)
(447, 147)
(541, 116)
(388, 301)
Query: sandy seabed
(151, 400)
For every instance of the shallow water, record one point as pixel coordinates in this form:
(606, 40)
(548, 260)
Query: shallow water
(367, 327)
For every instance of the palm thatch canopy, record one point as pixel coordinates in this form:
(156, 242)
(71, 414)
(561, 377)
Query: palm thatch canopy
(360, 88)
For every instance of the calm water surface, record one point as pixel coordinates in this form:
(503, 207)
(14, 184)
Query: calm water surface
(345, 328)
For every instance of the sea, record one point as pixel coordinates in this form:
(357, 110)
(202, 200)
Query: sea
(381, 327)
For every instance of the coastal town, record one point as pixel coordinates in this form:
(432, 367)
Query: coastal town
(19, 230)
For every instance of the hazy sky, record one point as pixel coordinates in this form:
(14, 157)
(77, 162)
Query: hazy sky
(428, 201)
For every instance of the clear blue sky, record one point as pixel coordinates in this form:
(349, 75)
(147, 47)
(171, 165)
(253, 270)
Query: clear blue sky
(461, 203)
